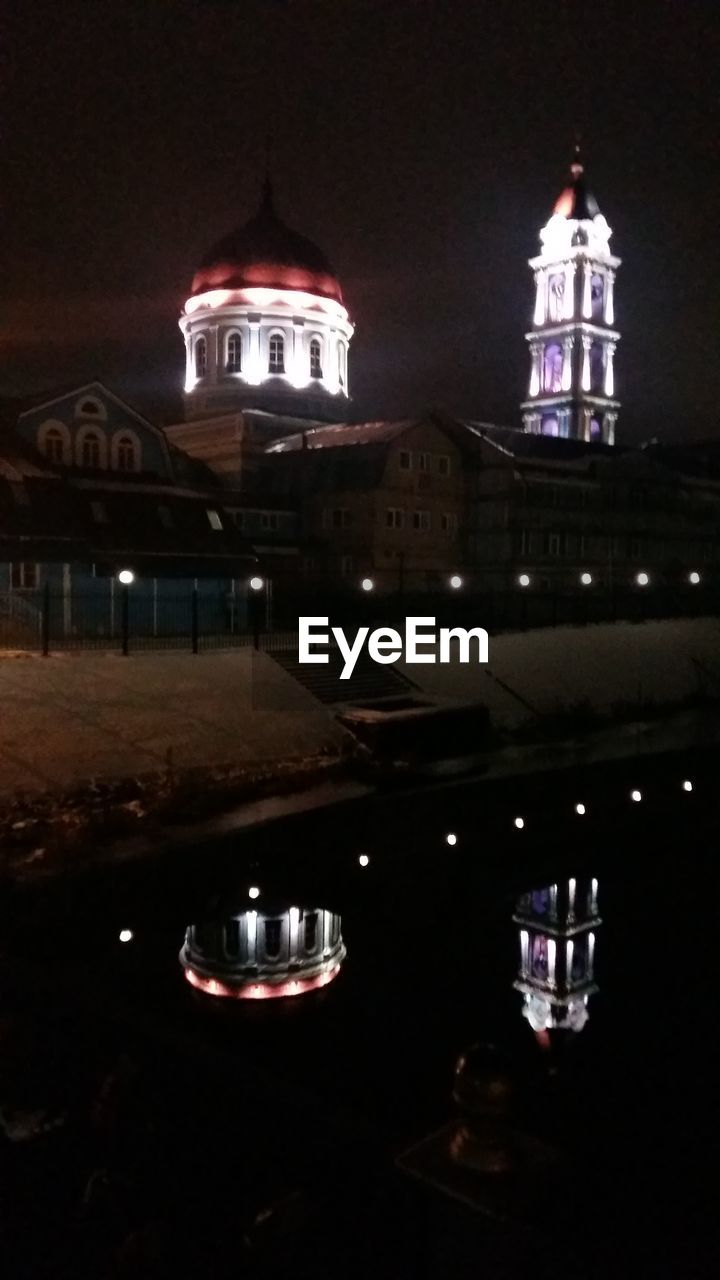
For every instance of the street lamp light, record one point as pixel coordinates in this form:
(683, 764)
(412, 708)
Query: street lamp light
(586, 579)
(694, 577)
(524, 580)
(456, 582)
(257, 583)
(367, 584)
(126, 577)
(642, 579)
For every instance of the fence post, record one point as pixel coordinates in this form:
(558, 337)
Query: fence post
(194, 620)
(125, 620)
(45, 628)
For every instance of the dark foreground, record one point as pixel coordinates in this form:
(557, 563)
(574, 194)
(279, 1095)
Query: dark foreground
(152, 1130)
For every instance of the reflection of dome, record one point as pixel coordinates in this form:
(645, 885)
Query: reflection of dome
(547, 1015)
(260, 955)
(266, 253)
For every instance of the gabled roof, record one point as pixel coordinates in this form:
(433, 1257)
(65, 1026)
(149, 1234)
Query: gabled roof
(342, 435)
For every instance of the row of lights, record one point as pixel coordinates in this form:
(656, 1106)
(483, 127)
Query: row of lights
(580, 809)
(126, 577)
(126, 935)
(641, 579)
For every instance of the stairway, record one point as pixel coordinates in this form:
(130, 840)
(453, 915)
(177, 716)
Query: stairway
(368, 682)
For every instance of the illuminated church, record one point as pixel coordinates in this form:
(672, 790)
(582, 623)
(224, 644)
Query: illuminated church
(557, 934)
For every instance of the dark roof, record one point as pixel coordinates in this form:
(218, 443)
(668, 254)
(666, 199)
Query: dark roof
(523, 444)
(341, 435)
(575, 201)
(265, 252)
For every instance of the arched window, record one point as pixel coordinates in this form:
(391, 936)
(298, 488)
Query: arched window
(91, 450)
(54, 445)
(90, 408)
(315, 358)
(597, 297)
(276, 363)
(200, 358)
(125, 454)
(234, 353)
(341, 363)
(597, 367)
(552, 367)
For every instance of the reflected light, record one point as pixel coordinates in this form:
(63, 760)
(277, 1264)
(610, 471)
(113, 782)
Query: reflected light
(451, 838)
(519, 823)
(687, 785)
(636, 796)
(580, 808)
(261, 990)
(253, 891)
(125, 935)
(363, 860)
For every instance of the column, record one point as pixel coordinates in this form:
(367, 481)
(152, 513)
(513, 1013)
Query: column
(214, 354)
(609, 372)
(535, 353)
(301, 358)
(567, 364)
(524, 953)
(254, 370)
(585, 380)
(551, 955)
(251, 919)
(609, 300)
(568, 962)
(587, 291)
(591, 955)
(569, 308)
(293, 939)
(541, 282)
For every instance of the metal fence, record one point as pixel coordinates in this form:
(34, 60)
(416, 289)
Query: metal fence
(44, 621)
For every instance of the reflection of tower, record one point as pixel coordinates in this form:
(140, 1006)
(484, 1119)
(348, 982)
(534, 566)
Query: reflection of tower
(258, 955)
(573, 341)
(557, 953)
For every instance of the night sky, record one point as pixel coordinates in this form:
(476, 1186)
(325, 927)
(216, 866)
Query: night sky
(421, 144)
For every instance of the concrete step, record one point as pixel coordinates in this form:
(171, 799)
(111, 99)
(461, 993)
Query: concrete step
(367, 682)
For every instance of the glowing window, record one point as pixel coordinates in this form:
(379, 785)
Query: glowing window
(125, 454)
(276, 363)
(200, 358)
(91, 451)
(54, 449)
(315, 358)
(234, 353)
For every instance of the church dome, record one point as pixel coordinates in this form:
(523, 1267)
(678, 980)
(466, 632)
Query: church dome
(266, 253)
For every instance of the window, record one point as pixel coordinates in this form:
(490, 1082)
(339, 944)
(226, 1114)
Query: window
(99, 512)
(448, 522)
(273, 936)
(556, 296)
(54, 447)
(237, 517)
(214, 518)
(552, 367)
(311, 929)
(336, 518)
(554, 544)
(91, 450)
(90, 408)
(443, 465)
(423, 461)
(270, 521)
(234, 353)
(125, 454)
(24, 575)
(421, 521)
(276, 363)
(315, 358)
(166, 518)
(200, 358)
(405, 460)
(394, 518)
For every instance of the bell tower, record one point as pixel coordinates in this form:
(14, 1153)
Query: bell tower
(573, 339)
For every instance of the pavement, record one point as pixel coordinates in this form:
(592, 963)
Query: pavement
(74, 717)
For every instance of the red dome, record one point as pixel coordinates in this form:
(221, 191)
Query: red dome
(267, 254)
